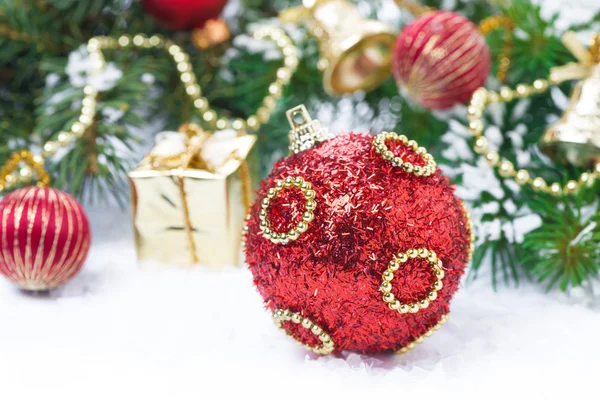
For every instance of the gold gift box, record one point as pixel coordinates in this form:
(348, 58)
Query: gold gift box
(190, 208)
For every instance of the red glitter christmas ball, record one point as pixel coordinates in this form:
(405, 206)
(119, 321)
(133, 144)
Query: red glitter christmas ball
(358, 243)
(45, 237)
(184, 14)
(441, 59)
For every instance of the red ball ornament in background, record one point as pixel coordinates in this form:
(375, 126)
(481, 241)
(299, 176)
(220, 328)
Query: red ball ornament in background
(184, 14)
(44, 237)
(441, 59)
(357, 243)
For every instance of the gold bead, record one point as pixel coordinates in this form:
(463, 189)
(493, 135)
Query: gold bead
(386, 287)
(124, 41)
(291, 62)
(493, 97)
(263, 115)
(555, 189)
(283, 74)
(388, 275)
(523, 90)
(475, 127)
(49, 149)
(201, 103)
(90, 91)
(492, 158)
(253, 122)
(522, 177)
(238, 124)
(39, 160)
(155, 41)
(506, 169)
(138, 40)
(506, 94)
(221, 123)
(474, 112)
(481, 145)
(571, 187)
(193, 90)
(209, 116)
(539, 183)
(540, 85)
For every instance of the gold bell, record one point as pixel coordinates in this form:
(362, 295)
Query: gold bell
(356, 52)
(575, 138)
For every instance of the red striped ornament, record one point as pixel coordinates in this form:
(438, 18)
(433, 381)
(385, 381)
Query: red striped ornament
(45, 238)
(441, 59)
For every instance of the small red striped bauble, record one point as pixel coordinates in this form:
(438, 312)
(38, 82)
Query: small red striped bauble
(45, 237)
(441, 59)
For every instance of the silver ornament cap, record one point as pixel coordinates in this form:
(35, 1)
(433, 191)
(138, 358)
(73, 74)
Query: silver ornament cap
(306, 132)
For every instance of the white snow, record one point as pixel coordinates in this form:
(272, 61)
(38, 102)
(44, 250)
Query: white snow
(120, 332)
(80, 64)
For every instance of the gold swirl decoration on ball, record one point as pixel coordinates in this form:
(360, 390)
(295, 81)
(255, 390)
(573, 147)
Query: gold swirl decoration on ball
(302, 226)
(388, 155)
(327, 346)
(421, 338)
(388, 275)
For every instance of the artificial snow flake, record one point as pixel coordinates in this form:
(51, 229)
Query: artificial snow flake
(79, 66)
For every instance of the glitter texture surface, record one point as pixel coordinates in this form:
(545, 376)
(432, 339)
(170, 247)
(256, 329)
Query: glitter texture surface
(367, 212)
(441, 59)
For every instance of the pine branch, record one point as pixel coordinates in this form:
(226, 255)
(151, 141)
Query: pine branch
(565, 250)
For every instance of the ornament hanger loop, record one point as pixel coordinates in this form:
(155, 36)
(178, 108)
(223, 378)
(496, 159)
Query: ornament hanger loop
(327, 347)
(388, 275)
(306, 132)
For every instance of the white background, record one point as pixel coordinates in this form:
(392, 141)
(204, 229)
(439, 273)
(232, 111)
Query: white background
(117, 331)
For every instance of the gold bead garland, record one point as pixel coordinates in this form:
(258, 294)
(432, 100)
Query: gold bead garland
(388, 275)
(482, 98)
(188, 78)
(381, 148)
(327, 347)
(302, 226)
(421, 338)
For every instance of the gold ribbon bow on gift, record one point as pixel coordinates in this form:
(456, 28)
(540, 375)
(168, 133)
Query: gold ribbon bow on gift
(196, 182)
(588, 59)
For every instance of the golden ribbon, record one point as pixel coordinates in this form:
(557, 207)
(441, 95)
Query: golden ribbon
(588, 59)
